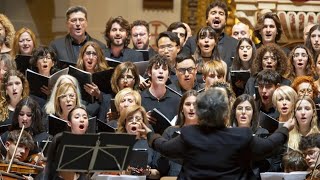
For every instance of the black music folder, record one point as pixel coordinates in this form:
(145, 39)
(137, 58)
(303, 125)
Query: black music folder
(239, 75)
(142, 67)
(61, 64)
(83, 78)
(95, 152)
(173, 90)
(112, 62)
(139, 158)
(267, 122)
(22, 62)
(162, 121)
(57, 125)
(104, 127)
(4, 128)
(103, 80)
(145, 54)
(37, 80)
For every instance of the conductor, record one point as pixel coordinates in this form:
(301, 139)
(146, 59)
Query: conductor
(210, 150)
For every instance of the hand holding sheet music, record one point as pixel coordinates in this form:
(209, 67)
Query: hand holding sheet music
(162, 121)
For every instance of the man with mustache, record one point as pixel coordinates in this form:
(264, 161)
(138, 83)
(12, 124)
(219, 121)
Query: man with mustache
(117, 35)
(140, 33)
(216, 17)
(68, 47)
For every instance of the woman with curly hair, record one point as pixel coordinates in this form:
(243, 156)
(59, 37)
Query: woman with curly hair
(269, 56)
(300, 63)
(305, 86)
(6, 34)
(24, 42)
(13, 88)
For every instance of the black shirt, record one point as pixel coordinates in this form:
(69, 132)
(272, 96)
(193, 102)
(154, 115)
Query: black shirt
(126, 54)
(167, 105)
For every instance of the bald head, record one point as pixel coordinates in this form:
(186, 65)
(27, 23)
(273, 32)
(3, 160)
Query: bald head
(240, 30)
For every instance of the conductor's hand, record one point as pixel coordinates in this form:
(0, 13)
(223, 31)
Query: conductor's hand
(144, 130)
(290, 124)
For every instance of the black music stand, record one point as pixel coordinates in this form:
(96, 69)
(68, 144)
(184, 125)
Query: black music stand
(95, 152)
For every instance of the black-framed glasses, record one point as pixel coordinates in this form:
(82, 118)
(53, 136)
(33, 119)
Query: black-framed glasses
(184, 70)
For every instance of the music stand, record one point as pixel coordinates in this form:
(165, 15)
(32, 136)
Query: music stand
(95, 152)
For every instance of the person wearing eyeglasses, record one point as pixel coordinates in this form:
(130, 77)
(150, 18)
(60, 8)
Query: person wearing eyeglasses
(117, 35)
(305, 86)
(43, 61)
(186, 74)
(168, 44)
(140, 36)
(272, 57)
(91, 59)
(158, 95)
(68, 47)
(310, 148)
(180, 30)
(130, 122)
(64, 97)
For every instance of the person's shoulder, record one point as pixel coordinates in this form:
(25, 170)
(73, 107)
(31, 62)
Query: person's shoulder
(58, 41)
(230, 40)
(135, 55)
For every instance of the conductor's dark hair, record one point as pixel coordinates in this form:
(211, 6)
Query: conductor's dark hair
(212, 108)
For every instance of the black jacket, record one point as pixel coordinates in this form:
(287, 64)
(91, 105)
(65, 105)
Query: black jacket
(218, 153)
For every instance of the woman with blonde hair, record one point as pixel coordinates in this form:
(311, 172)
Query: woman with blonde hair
(124, 98)
(284, 99)
(306, 121)
(6, 34)
(130, 122)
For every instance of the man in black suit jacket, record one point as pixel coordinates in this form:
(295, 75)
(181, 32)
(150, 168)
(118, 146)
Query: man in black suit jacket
(68, 47)
(210, 150)
(117, 35)
(216, 15)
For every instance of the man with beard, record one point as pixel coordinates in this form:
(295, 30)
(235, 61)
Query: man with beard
(68, 47)
(216, 15)
(141, 36)
(117, 35)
